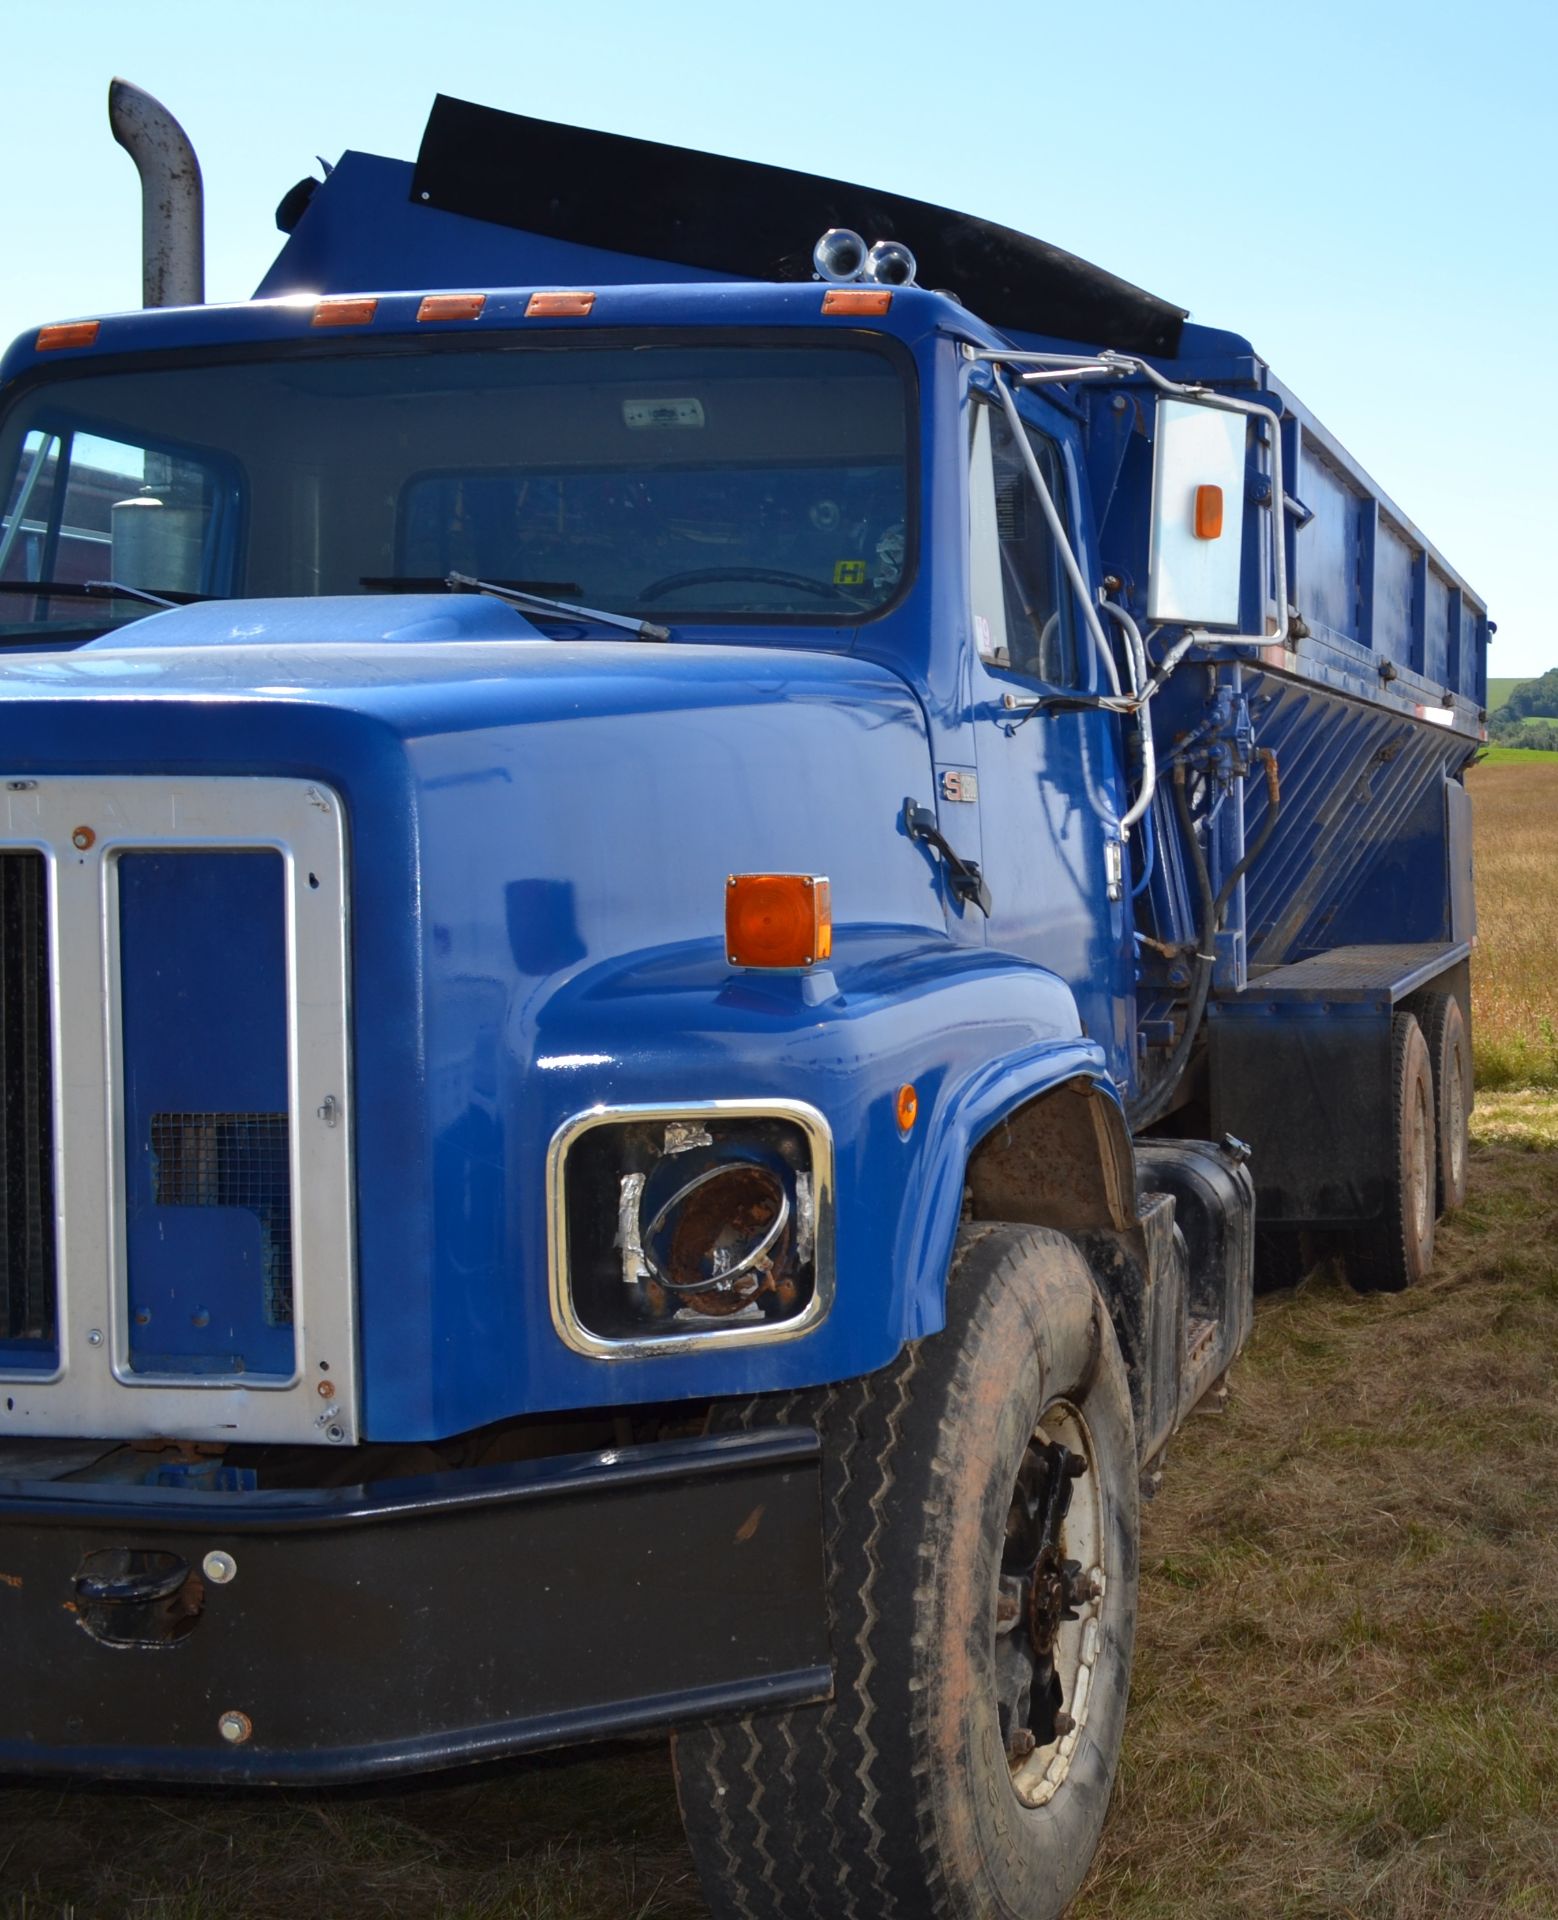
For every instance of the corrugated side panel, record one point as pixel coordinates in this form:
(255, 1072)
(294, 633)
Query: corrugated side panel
(1359, 852)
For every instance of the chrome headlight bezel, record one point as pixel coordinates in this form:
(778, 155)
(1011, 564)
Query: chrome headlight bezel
(675, 1338)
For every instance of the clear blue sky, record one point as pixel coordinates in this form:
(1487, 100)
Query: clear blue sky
(1367, 188)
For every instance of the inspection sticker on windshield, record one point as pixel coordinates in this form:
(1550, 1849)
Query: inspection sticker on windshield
(849, 573)
(662, 413)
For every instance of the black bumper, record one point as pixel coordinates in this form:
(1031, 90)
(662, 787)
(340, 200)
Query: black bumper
(412, 1624)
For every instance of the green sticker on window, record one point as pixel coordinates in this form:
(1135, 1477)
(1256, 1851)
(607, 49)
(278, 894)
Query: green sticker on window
(849, 573)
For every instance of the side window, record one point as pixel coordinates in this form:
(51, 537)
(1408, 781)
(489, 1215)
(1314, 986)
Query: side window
(87, 508)
(1023, 605)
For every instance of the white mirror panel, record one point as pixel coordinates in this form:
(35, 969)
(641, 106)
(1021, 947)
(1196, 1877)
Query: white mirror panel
(1193, 578)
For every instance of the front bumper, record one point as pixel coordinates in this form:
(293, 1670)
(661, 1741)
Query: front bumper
(411, 1624)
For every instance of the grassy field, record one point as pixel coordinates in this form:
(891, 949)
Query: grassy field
(1514, 996)
(1500, 690)
(1346, 1695)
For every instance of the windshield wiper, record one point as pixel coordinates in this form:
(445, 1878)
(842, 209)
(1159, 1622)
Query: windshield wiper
(558, 609)
(101, 590)
(115, 587)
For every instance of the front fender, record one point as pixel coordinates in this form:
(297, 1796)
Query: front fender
(979, 1035)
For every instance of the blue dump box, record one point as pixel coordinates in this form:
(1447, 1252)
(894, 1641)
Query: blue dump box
(697, 866)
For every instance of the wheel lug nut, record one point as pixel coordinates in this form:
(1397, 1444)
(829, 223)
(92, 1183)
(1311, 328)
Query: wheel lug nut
(1076, 1466)
(1064, 1724)
(1022, 1745)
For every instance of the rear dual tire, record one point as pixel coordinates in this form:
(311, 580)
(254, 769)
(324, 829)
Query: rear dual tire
(1444, 1030)
(912, 1793)
(1396, 1250)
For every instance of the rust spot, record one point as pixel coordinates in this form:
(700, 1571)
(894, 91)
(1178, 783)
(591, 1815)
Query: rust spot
(744, 1532)
(740, 1204)
(11, 1580)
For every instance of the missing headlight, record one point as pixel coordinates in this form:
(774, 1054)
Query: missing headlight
(670, 1224)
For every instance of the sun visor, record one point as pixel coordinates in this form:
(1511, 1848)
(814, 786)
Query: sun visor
(758, 222)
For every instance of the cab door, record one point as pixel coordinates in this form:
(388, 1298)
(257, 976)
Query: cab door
(1051, 787)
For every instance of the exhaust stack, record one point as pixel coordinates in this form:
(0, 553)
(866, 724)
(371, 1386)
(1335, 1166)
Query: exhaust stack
(173, 245)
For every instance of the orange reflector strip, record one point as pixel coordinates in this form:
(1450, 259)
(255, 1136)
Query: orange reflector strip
(778, 919)
(73, 333)
(907, 1108)
(451, 306)
(1209, 513)
(558, 306)
(857, 300)
(344, 313)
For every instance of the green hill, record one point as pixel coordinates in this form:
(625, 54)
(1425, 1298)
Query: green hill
(1500, 690)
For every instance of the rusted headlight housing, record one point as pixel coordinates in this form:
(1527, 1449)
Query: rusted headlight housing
(690, 1223)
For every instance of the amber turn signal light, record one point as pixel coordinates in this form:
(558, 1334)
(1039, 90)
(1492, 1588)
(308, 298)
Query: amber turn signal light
(907, 1108)
(778, 919)
(857, 300)
(344, 313)
(1209, 513)
(70, 333)
(558, 306)
(451, 306)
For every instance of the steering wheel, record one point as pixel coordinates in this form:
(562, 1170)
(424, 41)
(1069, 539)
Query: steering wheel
(769, 576)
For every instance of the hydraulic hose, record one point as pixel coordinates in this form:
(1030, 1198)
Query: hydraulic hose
(1155, 1102)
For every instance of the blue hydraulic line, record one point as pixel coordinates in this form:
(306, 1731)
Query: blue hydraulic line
(1150, 842)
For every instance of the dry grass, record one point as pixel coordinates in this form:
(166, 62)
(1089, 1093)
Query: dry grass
(1514, 998)
(1347, 1696)
(1346, 1701)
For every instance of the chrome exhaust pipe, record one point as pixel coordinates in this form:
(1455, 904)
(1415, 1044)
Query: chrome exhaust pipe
(173, 242)
(839, 254)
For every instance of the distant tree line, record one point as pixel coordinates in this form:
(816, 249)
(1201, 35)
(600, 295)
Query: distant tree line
(1529, 717)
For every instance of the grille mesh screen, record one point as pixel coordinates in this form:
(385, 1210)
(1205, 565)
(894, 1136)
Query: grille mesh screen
(27, 1272)
(233, 1160)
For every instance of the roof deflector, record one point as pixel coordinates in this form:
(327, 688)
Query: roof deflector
(760, 222)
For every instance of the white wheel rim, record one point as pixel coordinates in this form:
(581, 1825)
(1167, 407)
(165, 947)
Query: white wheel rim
(1455, 1117)
(1077, 1642)
(1422, 1182)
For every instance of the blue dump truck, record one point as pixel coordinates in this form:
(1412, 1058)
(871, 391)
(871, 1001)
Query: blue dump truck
(697, 866)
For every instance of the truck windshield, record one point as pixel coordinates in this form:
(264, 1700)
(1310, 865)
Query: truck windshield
(732, 480)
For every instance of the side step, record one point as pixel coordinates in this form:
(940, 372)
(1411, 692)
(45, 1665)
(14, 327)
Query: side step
(1184, 1312)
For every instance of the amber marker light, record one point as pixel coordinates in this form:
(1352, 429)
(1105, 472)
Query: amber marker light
(559, 306)
(344, 313)
(857, 300)
(451, 306)
(907, 1107)
(778, 919)
(1209, 513)
(72, 333)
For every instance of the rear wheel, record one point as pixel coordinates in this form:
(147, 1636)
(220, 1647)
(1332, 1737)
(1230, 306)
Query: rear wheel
(1444, 1029)
(981, 1503)
(1397, 1250)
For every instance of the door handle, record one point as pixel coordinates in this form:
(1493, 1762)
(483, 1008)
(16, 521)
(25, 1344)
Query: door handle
(964, 880)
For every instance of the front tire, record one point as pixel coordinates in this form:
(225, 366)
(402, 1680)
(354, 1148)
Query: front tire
(964, 1764)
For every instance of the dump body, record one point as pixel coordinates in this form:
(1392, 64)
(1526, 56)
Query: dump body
(402, 1146)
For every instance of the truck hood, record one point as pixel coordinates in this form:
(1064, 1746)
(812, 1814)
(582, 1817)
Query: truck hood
(538, 839)
(334, 620)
